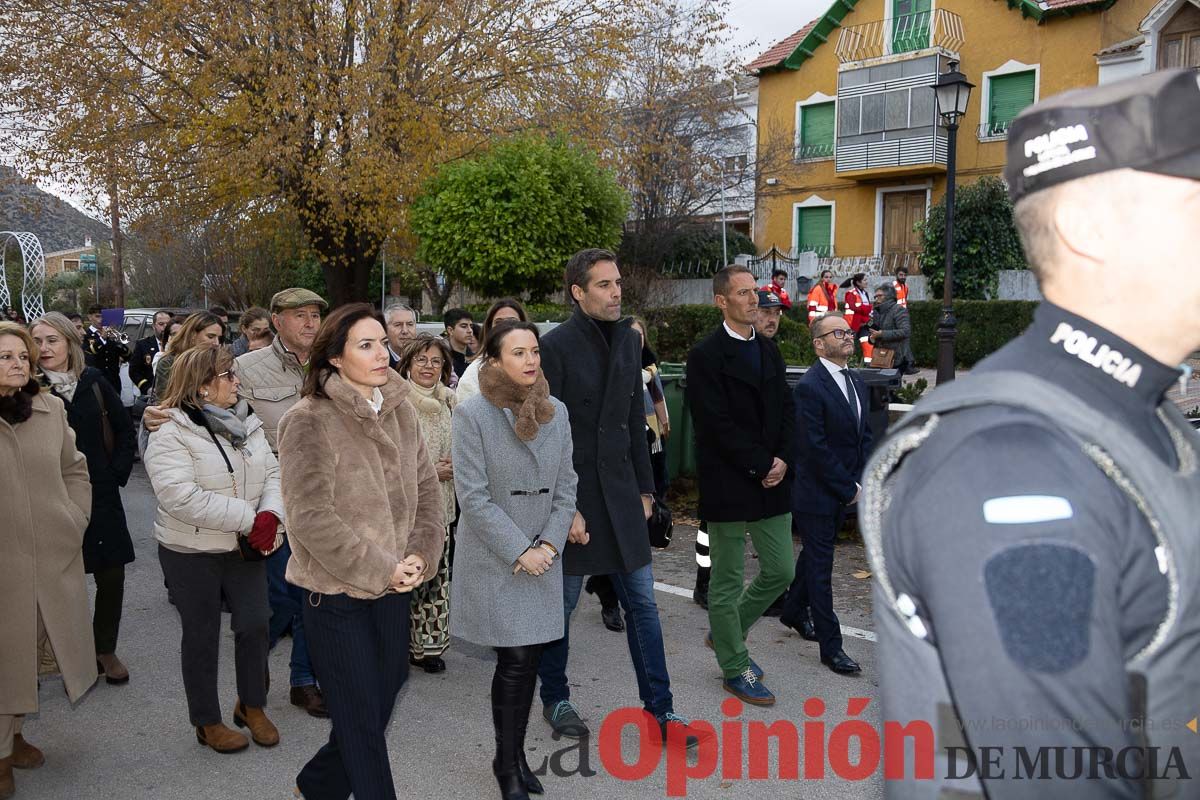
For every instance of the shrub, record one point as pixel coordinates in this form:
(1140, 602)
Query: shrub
(985, 240)
(538, 312)
(984, 326)
(676, 329)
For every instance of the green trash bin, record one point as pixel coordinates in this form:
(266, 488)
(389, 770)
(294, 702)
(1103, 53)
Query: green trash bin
(681, 446)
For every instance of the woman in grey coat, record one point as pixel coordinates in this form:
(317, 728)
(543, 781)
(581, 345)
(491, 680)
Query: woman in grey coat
(516, 490)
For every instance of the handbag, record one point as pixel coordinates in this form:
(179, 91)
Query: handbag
(883, 357)
(660, 525)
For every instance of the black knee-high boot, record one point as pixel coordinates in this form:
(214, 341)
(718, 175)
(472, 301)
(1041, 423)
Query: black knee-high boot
(531, 782)
(511, 698)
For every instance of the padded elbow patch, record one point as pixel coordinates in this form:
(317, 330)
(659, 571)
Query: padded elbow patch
(1041, 599)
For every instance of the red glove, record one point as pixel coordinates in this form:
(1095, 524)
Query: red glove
(262, 535)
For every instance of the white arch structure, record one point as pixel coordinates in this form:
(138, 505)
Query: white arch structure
(34, 280)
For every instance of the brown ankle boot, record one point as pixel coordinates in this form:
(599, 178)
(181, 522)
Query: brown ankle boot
(8, 787)
(264, 733)
(112, 669)
(25, 755)
(221, 738)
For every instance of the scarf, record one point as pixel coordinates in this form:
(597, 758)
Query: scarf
(530, 404)
(63, 383)
(18, 406)
(431, 400)
(228, 422)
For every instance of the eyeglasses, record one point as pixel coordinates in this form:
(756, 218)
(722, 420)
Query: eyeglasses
(229, 373)
(426, 361)
(838, 333)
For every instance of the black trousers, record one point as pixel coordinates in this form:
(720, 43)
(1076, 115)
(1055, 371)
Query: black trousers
(512, 695)
(359, 651)
(813, 585)
(199, 581)
(106, 619)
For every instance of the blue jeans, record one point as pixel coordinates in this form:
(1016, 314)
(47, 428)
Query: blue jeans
(635, 591)
(286, 603)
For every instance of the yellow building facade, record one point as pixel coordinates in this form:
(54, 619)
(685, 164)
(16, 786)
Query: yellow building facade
(850, 153)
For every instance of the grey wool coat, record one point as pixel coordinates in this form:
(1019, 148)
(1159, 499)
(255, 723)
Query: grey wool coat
(493, 472)
(602, 389)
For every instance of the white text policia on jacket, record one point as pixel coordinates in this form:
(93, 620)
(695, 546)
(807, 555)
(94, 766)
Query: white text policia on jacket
(1111, 362)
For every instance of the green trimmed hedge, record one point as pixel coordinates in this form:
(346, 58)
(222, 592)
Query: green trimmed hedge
(675, 329)
(984, 326)
(538, 312)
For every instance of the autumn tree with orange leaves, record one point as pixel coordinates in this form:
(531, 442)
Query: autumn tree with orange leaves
(333, 111)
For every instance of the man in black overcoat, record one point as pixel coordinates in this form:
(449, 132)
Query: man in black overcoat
(742, 414)
(593, 365)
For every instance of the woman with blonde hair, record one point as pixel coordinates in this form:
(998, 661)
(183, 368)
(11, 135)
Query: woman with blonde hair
(219, 514)
(201, 329)
(104, 434)
(44, 626)
(425, 362)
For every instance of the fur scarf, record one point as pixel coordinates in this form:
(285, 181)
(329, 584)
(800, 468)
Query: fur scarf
(530, 404)
(17, 407)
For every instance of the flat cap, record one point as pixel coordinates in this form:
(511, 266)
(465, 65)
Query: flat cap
(1149, 123)
(297, 298)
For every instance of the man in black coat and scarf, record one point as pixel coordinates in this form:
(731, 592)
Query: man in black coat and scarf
(593, 365)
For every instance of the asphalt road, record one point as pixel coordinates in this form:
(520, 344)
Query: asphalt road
(134, 741)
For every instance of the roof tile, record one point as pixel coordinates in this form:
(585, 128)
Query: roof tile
(777, 52)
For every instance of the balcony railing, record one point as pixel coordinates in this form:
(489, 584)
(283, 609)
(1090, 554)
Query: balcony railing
(994, 130)
(812, 152)
(903, 34)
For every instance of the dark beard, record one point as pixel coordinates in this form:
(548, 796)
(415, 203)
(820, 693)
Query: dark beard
(18, 406)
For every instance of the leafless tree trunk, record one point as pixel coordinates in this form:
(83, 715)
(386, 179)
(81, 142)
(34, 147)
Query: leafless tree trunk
(118, 245)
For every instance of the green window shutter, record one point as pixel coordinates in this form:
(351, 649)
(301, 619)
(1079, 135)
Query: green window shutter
(1008, 95)
(814, 230)
(816, 130)
(910, 25)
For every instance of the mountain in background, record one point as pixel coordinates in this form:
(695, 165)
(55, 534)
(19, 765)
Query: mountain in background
(58, 224)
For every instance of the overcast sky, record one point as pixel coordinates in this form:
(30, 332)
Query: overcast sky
(758, 24)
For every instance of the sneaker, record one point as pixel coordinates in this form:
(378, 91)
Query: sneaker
(565, 720)
(755, 668)
(747, 688)
(693, 741)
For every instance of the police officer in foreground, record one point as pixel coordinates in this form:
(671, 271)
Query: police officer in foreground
(1038, 589)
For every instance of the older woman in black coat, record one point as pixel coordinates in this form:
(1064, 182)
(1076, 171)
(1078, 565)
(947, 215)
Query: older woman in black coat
(104, 434)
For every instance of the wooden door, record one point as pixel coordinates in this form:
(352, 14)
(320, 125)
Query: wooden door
(901, 240)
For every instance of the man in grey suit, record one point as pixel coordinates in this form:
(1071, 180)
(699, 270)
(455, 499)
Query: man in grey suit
(593, 365)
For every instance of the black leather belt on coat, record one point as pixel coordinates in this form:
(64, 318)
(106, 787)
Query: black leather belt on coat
(528, 492)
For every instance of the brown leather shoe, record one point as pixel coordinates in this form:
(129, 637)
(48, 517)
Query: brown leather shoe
(310, 699)
(221, 738)
(25, 755)
(262, 731)
(8, 786)
(112, 669)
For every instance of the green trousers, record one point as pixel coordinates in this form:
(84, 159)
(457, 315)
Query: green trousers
(732, 607)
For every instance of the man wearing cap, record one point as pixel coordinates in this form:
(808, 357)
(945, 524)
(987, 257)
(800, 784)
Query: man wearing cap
(1037, 594)
(271, 378)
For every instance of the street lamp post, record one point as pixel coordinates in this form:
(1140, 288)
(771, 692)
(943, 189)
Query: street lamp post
(952, 92)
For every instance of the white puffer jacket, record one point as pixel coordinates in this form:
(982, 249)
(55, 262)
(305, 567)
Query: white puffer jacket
(201, 506)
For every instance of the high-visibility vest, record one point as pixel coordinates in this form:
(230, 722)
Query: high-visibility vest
(821, 300)
(857, 309)
(901, 294)
(780, 292)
